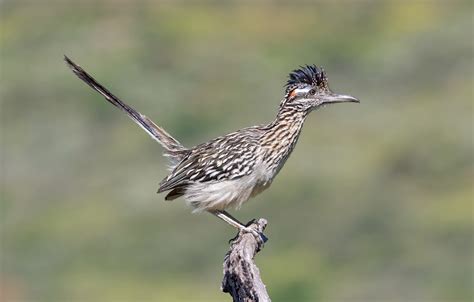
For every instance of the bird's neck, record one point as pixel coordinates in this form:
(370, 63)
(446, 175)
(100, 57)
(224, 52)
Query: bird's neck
(288, 122)
(281, 136)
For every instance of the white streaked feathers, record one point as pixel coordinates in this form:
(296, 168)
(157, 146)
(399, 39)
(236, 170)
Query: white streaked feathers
(220, 195)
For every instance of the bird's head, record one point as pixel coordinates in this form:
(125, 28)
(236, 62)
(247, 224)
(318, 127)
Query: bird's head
(307, 89)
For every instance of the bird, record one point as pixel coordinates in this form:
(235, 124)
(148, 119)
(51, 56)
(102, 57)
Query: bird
(227, 171)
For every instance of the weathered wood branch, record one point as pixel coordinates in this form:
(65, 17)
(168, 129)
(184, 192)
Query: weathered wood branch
(241, 276)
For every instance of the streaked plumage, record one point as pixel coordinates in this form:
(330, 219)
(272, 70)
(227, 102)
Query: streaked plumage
(228, 170)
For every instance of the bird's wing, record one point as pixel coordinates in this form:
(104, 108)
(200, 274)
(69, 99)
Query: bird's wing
(157, 133)
(225, 158)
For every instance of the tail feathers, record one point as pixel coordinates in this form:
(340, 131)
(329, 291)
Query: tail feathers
(172, 146)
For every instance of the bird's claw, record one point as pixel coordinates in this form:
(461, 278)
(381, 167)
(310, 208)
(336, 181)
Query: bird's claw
(263, 237)
(250, 222)
(249, 229)
(232, 240)
(258, 235)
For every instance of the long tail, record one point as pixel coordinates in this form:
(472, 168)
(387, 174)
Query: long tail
(172, 146)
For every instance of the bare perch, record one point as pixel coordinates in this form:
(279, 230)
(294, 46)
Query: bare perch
(241, 276)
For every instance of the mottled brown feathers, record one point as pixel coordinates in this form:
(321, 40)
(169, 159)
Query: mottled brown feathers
(228, 170)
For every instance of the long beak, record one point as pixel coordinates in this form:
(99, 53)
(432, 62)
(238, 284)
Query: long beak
(339, 98)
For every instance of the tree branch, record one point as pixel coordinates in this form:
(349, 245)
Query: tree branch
(241, 276)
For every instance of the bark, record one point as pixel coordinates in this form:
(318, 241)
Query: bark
(241, 276)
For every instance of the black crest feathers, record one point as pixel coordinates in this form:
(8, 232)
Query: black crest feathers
(309, 74)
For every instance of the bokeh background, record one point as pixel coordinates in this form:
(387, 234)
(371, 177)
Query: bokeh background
(375, 203)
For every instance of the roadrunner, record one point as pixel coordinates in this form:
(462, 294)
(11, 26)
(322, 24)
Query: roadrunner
(228, 170)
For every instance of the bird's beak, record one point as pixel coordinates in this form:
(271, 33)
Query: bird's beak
(339, 98)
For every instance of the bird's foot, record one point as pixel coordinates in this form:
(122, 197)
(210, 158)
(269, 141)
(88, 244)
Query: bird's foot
(250, 222)
(250, 228)
(262, 237)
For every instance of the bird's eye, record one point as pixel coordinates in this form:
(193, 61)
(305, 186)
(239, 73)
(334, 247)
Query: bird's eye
(312, 91)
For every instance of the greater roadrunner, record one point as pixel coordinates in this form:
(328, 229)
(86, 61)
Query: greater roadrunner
(228, 170)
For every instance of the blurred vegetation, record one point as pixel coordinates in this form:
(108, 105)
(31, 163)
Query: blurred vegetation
(375, 204)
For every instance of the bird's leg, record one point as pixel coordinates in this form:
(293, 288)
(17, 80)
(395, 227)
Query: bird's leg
(229, 219)
(239, 225)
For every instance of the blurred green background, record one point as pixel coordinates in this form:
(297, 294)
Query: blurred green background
(375, 203)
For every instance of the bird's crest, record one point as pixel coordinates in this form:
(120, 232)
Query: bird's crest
(309, 74)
